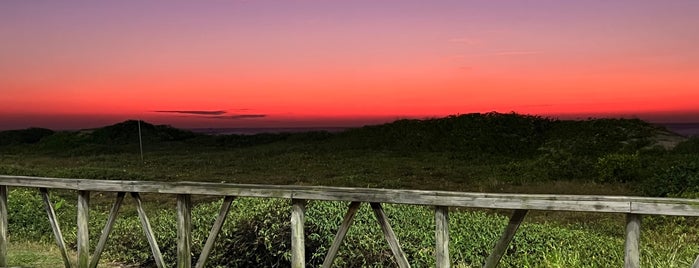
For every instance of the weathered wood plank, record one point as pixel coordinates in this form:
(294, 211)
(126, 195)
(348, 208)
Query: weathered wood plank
(667, 209)
(215, 229)
(441, 220)
(148, 231)
(391, 238)
(298, 248)
(341, 232)
(584, 203)
(3, 226)
(633, 235)
(55, 226)
(507, 236)
(83, 229)
(106, 230)
(184, 231)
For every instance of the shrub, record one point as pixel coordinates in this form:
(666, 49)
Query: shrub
(27, 217)
(680, 179)
(618, 168)
(560, 164)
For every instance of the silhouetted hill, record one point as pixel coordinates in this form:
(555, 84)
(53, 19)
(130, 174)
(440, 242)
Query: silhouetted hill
(127, 132)
(24, 136)
(116, 138)
(469, 134)
(488, 133)
(503, 134)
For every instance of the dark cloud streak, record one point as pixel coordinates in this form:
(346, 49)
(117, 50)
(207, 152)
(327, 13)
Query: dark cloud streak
(238, 116)
(219, 112)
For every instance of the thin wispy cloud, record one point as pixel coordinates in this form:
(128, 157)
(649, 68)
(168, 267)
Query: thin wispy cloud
(238, 116)
(214, 114)
(195, 112)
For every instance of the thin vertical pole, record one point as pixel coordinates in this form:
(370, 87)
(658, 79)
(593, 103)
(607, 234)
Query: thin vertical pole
(441, 219)
(298, 251)
(83, 233)
(140, 140)
(3, 225)
(633, 235)
(184, 231)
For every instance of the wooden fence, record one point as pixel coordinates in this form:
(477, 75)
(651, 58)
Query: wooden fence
(633, 207)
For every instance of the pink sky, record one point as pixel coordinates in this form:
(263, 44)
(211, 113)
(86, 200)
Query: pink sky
(75, 64)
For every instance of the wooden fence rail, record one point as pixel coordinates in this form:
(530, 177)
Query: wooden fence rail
(633, 207)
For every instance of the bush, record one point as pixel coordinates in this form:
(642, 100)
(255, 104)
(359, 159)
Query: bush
(27, 217)
(680, 179)
(562, 165)
(618, 168)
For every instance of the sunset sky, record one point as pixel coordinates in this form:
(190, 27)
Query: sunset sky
(79, 64)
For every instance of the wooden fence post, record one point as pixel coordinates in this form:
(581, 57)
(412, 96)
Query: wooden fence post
(507, 236)
(83, 232)
(390, 236)
(341, 232)
(298, 251)
(55, 226)
(107, 229)
(148, 231)
(215, 229)
(633, 235)
(441, 220)
(184, 231)
(3, 225)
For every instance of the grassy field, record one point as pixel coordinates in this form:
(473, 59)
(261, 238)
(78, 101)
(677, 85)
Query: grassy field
(480, 152)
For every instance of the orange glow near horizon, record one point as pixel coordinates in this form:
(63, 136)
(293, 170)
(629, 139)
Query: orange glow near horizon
(286, 64)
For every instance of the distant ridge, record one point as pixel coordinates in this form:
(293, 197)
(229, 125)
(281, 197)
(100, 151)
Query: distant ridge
(127, 132)
(488, 133)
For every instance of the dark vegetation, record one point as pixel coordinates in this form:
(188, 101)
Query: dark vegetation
(475, 152)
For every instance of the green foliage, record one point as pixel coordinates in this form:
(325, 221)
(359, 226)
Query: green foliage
(257, 234)
(560, 164)
(27, 215)
(260, 237)
(596, 137)
(680, 179)
(490, 133)
(618, 168)
(460, 153)
(62, 141)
